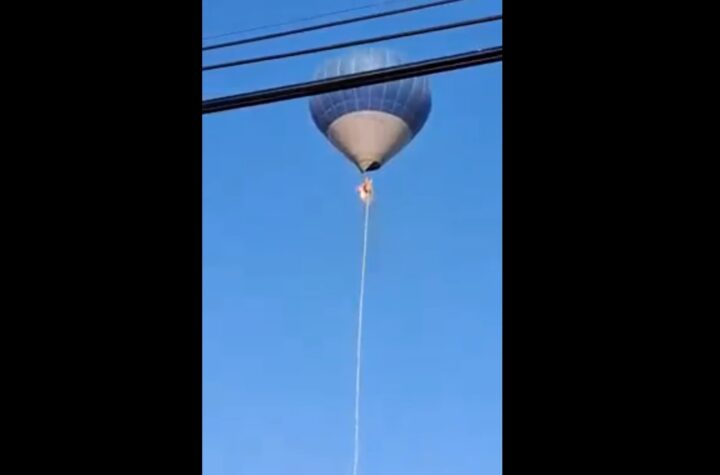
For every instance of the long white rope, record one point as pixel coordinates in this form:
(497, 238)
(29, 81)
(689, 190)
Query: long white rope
(359, 340)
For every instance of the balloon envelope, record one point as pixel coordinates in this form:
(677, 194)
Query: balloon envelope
(370, 124)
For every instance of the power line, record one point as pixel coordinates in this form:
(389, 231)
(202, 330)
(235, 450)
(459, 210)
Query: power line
(304, 19)
(331, 24)
(375, 39)
(366, 78)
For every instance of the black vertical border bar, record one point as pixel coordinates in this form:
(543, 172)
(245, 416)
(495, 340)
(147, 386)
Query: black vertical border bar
(111, 352)
(556, 142)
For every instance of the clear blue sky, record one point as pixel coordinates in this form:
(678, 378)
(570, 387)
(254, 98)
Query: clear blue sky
(281, 256)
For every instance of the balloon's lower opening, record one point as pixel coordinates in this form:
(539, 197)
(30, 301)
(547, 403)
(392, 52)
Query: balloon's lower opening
(373, 166)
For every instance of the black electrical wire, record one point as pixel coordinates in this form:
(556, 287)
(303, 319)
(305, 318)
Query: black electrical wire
(332, 24)
(375, 39)
(304, 19)
(366, 78)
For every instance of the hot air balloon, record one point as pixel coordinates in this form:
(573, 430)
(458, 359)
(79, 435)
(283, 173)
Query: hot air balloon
(370, 124)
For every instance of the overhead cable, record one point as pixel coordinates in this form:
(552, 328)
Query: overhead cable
(366, 78)
(347, 44)
(331, 24)
(305, 19)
